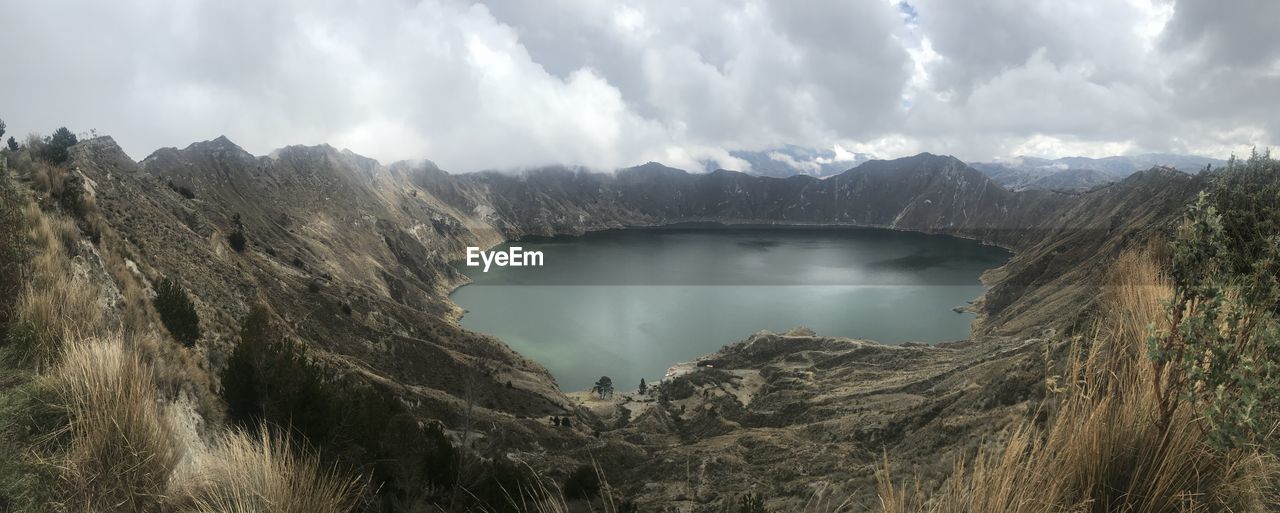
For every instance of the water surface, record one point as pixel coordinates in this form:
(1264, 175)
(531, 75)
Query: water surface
(629, 303)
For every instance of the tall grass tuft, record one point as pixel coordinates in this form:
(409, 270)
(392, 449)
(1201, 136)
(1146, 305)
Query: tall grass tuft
(538, 495)
(120, 451)
(246, 473)
(1104, 448)
(56, 303)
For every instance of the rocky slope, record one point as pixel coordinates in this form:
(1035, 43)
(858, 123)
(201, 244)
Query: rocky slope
(351, 256)
(348, 258)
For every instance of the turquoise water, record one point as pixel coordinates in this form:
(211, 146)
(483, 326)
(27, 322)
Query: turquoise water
(629, 303)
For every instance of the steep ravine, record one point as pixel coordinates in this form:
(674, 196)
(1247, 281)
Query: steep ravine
(331, 232)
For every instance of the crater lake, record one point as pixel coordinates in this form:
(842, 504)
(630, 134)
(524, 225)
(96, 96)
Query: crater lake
(630, 303)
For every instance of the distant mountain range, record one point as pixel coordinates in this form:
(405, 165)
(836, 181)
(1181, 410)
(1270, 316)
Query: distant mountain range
(1071, 174)
(1083, 173)
(794, 160)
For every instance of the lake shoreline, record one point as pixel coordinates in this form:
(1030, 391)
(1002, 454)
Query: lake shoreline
(757, 277)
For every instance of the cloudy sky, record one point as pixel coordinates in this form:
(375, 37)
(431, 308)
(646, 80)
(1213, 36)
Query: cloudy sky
(515, 83)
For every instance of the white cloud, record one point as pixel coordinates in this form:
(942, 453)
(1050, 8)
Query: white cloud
(509, 83)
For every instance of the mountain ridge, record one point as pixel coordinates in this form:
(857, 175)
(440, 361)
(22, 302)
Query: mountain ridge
(330, 231)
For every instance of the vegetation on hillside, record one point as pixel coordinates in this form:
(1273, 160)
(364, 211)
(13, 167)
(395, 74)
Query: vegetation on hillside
(236, 238)
(101, 410)
(1171, 405)
(177, 312)
(269, 380)
(91, 415)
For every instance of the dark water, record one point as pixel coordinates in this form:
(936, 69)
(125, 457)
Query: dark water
(629, 303)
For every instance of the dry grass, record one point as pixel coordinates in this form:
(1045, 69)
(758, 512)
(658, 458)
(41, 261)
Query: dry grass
(1103, 449)
(103, 434)
(543, 496)
(56, 303)
(45, 177)
(243, 473)
(122, 450)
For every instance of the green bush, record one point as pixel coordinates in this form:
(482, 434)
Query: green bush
(676, 389)
(177, 312)
(1222, 351)
(182, 190)
(237, 239)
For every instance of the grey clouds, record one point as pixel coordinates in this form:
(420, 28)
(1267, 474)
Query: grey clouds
(511, 83)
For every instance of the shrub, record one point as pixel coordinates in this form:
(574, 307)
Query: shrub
(177, 312)
(582, 483)
(236, 238)
(677, 389)
(182, 190)
(1221, 349)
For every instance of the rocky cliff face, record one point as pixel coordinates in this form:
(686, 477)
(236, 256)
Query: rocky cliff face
(351, 256)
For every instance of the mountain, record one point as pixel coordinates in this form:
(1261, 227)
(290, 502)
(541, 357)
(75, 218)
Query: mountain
(1083, 173)
(795, 160)
(931, 193)
(351, 257)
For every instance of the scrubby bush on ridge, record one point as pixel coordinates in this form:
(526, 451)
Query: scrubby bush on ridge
(1221, 349)
(177, 312)
(1171, 405)
(236, 238)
